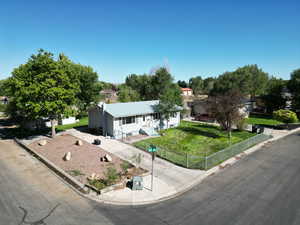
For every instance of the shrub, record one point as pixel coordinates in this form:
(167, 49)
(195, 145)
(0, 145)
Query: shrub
(242, 124)
(125, 166)
(3, 107)
(75, 173)
(111, 175)
(98, 184)
(285, 116)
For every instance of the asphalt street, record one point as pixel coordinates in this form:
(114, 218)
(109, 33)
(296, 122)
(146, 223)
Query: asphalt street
(262, 188)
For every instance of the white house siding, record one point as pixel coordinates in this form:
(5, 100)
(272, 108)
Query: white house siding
(134, 128)
(95, 118)
(109, 125)
(112, 125)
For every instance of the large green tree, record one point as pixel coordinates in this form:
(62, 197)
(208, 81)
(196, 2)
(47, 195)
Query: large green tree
(249, 80)
(150, 87)
(89, 87)
(273, 98)
(256, 79)
(127, 94)
(89, 90)
(182, 84)
(141, 84)
(160, 82)
(3, 88)
(43, 88)
(197, 84)
(294, 87)
(169, 102)
(208, 85)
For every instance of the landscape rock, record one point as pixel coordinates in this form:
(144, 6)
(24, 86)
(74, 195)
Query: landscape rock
(79, 142)
(42, 142)
(93, 176)
(67, 156)
(108, 158)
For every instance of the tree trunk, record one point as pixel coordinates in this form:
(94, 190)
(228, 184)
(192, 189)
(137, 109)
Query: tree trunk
(229, 134)
(53, 133)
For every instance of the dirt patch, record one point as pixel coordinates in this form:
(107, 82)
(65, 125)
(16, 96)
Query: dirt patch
(85, 159)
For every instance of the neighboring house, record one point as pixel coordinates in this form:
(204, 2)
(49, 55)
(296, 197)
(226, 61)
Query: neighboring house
(201, 107)
(187, 91)
(120, 120)
(42, 123)
(109, 95)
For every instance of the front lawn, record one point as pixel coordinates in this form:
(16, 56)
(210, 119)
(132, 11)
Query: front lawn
(194, 138)
(82, 122)
(262, 120)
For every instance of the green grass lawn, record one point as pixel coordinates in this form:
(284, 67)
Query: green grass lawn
(82, 122)
(262, 120)
(194, 138)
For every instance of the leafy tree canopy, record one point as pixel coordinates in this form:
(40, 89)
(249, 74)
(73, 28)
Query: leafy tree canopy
(3, 88)
(197, 84)
(294, 87)
(43, 88)
(182, 84)
(248, 80)
(127, 94)
(208, 85)
(169, 101)
(150, 87)
(273, 98)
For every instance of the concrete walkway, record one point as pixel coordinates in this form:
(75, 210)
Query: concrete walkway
(169, 179)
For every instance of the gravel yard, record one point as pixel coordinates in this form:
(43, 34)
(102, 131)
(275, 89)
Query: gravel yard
(85, 159)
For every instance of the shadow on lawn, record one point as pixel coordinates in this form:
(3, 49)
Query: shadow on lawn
(196, 131)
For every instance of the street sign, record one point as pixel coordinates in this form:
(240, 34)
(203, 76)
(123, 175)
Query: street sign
(152, 148)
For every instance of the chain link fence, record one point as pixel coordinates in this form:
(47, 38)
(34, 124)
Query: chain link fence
(202, 162)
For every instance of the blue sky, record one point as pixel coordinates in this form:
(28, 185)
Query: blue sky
(117, 38)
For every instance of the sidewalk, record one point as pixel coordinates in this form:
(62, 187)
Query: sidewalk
(169, 180)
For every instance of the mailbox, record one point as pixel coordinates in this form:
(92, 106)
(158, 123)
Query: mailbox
(137, 183)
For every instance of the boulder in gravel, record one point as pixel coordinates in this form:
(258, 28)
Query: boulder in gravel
(42, 142)
(67, 156)
(108, 158)
(93, 176)
(79, 142)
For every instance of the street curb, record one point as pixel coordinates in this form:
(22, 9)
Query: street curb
(198, 180)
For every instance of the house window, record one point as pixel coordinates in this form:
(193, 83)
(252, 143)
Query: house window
(128, 120)
(156, 116)
(173, 114)
(144, 118)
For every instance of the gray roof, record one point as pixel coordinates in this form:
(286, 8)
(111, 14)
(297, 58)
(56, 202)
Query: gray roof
(131, 108)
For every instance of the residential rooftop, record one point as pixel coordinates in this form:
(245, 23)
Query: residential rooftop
(131, 108)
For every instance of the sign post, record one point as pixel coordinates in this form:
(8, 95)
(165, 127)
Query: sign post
(152, 149)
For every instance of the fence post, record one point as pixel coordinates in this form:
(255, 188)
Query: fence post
(187, 160)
